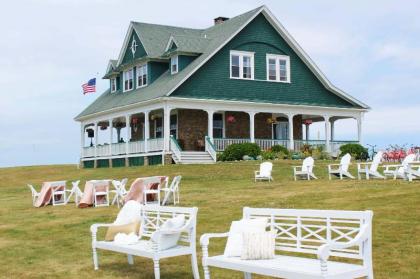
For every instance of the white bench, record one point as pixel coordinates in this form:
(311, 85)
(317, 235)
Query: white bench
(304, 234)
(153, 216)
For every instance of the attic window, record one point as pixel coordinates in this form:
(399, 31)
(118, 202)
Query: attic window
(141, 75)
(174, 64)
(128, 79)
(241, 65)
(113, 85)
(278, 68)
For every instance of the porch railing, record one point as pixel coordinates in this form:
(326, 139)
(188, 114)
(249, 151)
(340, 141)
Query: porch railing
(118, 148)
(221, 143)
(102, 150)
(266, 144)
(88, 151)
(136, 147)
(300, 143)
(211, 149)
(155, 144)
(176, 149)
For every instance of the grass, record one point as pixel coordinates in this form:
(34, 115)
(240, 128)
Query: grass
(54, 242)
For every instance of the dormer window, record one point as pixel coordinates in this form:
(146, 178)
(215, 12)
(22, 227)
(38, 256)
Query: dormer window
(141, 75)
(128, 79)
(174, 64)
(241, 65)
(113, 85)
(278, 68)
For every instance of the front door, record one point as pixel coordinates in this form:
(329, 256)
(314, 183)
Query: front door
(281, 130)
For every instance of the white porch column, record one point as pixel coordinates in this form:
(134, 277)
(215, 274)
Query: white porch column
(307, 131)
(95, 125)
(210, 124)
(291, 140)
(128, 131)
(110, 136)
(327, 133)
(82, 139)
(252, 125)
(146, 131)
(359, 129)
(166, 127)
(332, 130)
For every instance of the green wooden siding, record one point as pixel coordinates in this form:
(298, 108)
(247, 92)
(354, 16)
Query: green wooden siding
(212, 80)
(155, 160)
(103, 163)
(136, 161)
(184, 60)
(89, 164)
(140, 52)
(118, 162)
(155, 70)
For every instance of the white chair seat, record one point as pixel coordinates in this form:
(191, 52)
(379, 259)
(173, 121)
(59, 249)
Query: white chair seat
(288, 267)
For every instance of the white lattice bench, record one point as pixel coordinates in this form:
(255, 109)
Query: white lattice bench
(304, 234)
(153, 216)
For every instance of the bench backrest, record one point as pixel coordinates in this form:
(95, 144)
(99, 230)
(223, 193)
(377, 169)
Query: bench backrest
(303, 230)
(153, 217)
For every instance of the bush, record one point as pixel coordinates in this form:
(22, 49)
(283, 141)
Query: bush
(279, 149)
(238, 150)
(356, 150)
(268, 155)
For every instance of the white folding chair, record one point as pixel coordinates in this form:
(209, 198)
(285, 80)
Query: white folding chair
(58, 193)
(173, 190)
(306, 170)
(152, 191)
(265, 172)
(75, 190)
(98, 192)
(34, 193)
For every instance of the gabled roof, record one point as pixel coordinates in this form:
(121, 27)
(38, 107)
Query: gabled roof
(207, 42)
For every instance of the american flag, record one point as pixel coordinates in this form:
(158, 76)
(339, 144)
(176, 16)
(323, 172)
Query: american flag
(90, 86)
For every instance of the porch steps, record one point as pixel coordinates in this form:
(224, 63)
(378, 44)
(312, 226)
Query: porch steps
(195, 157)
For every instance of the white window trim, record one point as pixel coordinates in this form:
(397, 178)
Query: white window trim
(124, 90)
(241, 54)
(137, 76)
(176, 58)
(115, 83)
(278, 57)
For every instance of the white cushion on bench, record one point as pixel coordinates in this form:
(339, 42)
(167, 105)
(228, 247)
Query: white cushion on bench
(287, 267)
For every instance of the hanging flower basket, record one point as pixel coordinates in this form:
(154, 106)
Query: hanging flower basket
(307, 122)
(231, 119)
(103, 127)
(271, 120)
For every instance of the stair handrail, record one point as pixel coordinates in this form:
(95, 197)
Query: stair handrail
(210, 148)
(175, 148)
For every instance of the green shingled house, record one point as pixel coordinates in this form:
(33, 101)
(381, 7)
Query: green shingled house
(182, 94)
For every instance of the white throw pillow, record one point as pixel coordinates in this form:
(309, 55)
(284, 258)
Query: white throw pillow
(130, 213)
(170, 240)
(234, 242)
(258, 246)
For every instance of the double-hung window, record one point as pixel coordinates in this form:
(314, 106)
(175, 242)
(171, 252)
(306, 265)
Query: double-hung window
(128, 80)
(174, 64)
(141, 75)
(113, 85)
(241, 64)
(278, 68)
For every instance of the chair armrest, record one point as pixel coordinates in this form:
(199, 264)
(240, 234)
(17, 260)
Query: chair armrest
(323, 252)
(295, 168)
(205, 238)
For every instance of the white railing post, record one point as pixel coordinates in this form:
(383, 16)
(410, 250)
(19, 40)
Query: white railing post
(251, 126)
(291, 140)
(128, 128)
(146, 131)
(96, 138)
(210, 123)
(110, 137)
(327, 133)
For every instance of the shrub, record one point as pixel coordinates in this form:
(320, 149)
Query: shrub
(279, 149)
(268, 155)
(238, 150)
(356, 150)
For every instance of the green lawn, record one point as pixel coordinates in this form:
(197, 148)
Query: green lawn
(55, 241)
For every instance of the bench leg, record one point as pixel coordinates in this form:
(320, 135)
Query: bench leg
(194, 265)
(156, 268)
(130, 259)
(95, 259)
(247, 275)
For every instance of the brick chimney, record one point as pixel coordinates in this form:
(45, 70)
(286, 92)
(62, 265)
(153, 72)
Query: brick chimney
(220, 19)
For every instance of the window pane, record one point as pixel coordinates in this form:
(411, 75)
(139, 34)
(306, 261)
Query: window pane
(246, 67)
(272, 69)
(235, 66)
(235, 60)
(283, 70)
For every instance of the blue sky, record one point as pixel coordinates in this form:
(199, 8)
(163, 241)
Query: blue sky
(370, 49)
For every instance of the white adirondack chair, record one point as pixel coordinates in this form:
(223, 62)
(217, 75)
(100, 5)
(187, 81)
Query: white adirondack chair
(399, 171)
(413, 171)
(75, 190)
(265, 172)
(306, 170)
(370, 169)
(58, 193)
(153, 236)
(34, 193)
(99, 192)
(172, 190)
(341, 170)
